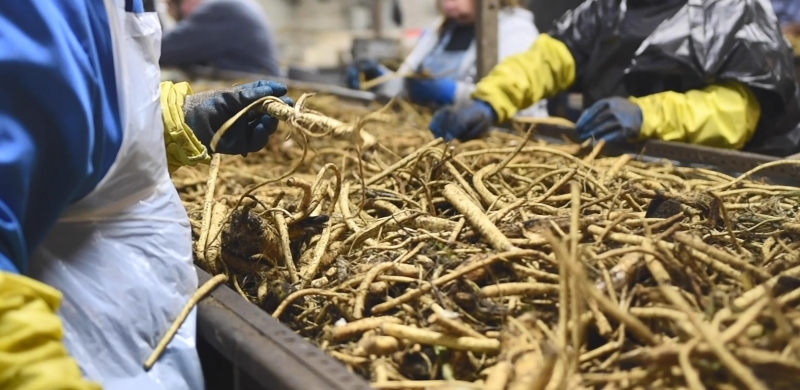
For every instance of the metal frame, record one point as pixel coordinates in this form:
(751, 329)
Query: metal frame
(377, 18)
(486, 33)
(268, 351)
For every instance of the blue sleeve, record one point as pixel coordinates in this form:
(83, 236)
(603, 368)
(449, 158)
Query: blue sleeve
(788, 12)
(59, 117)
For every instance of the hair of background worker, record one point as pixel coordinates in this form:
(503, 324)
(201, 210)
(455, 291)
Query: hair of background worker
(503, 4)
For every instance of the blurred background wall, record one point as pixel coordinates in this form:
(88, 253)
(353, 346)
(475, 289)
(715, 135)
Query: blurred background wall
(315, 33)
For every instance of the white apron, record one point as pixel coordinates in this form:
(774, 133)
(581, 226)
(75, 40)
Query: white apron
(122, 255)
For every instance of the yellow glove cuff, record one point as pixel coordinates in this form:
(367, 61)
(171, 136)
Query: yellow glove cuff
(32, 356)
(183, 147)
(722, 115)
(521, 80)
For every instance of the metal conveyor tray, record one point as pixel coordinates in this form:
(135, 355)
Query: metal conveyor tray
(269, 352)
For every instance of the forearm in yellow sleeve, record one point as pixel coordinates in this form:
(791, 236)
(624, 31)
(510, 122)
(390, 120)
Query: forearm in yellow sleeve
(546, 69)
(183, 147)
(32, 356)
(722, 115)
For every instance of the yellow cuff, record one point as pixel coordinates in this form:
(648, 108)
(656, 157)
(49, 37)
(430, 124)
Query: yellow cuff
(32, 356)
(521, 80)
(723, 115)
(183, 147)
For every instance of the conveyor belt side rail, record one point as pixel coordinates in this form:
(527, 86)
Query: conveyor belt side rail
(267, 350)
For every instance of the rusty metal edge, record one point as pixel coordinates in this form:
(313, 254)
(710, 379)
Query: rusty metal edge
(268, 351)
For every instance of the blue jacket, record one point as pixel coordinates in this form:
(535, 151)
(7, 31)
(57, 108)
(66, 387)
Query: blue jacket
(223, 34)
(787, 11)
(60, 127)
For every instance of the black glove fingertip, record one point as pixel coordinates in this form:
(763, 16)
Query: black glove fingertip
(249, 96)
(270, 124)
(278, 89)
(260, 136)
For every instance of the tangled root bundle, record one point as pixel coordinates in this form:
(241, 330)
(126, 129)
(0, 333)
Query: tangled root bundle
(506, 263)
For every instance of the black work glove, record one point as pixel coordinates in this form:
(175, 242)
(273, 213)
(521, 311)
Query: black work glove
(206, 112)
(369, 68)
(463, 123)
(611, 119)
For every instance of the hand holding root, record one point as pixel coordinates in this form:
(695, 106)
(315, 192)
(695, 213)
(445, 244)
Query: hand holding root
(307, 121)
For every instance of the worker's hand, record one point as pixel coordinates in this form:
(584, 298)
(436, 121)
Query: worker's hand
(463, 123)
(425, 91)
(612, 119)
(368, 68)
(206, 112)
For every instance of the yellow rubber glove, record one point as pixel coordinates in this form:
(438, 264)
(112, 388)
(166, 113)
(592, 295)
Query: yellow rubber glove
(723, 116)
(183, 147)
(543, 71)
(32, 356)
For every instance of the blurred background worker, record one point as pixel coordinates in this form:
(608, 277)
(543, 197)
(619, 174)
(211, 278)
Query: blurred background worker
(725, 81)
(788, 13)
(441, 69)
(232, 35)
(89, 219)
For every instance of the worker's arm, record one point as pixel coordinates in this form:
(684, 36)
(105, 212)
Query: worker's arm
(523, 79)
(514, 84)
(59, 134)
(552, 65)
(32, 356)
(192, 120)
(210, 32)
(422, 48)
(183, 147)
(200, 37)
(516, 33)
(724, 116)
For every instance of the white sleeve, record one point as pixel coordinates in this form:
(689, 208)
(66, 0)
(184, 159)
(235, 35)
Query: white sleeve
(516, 35)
